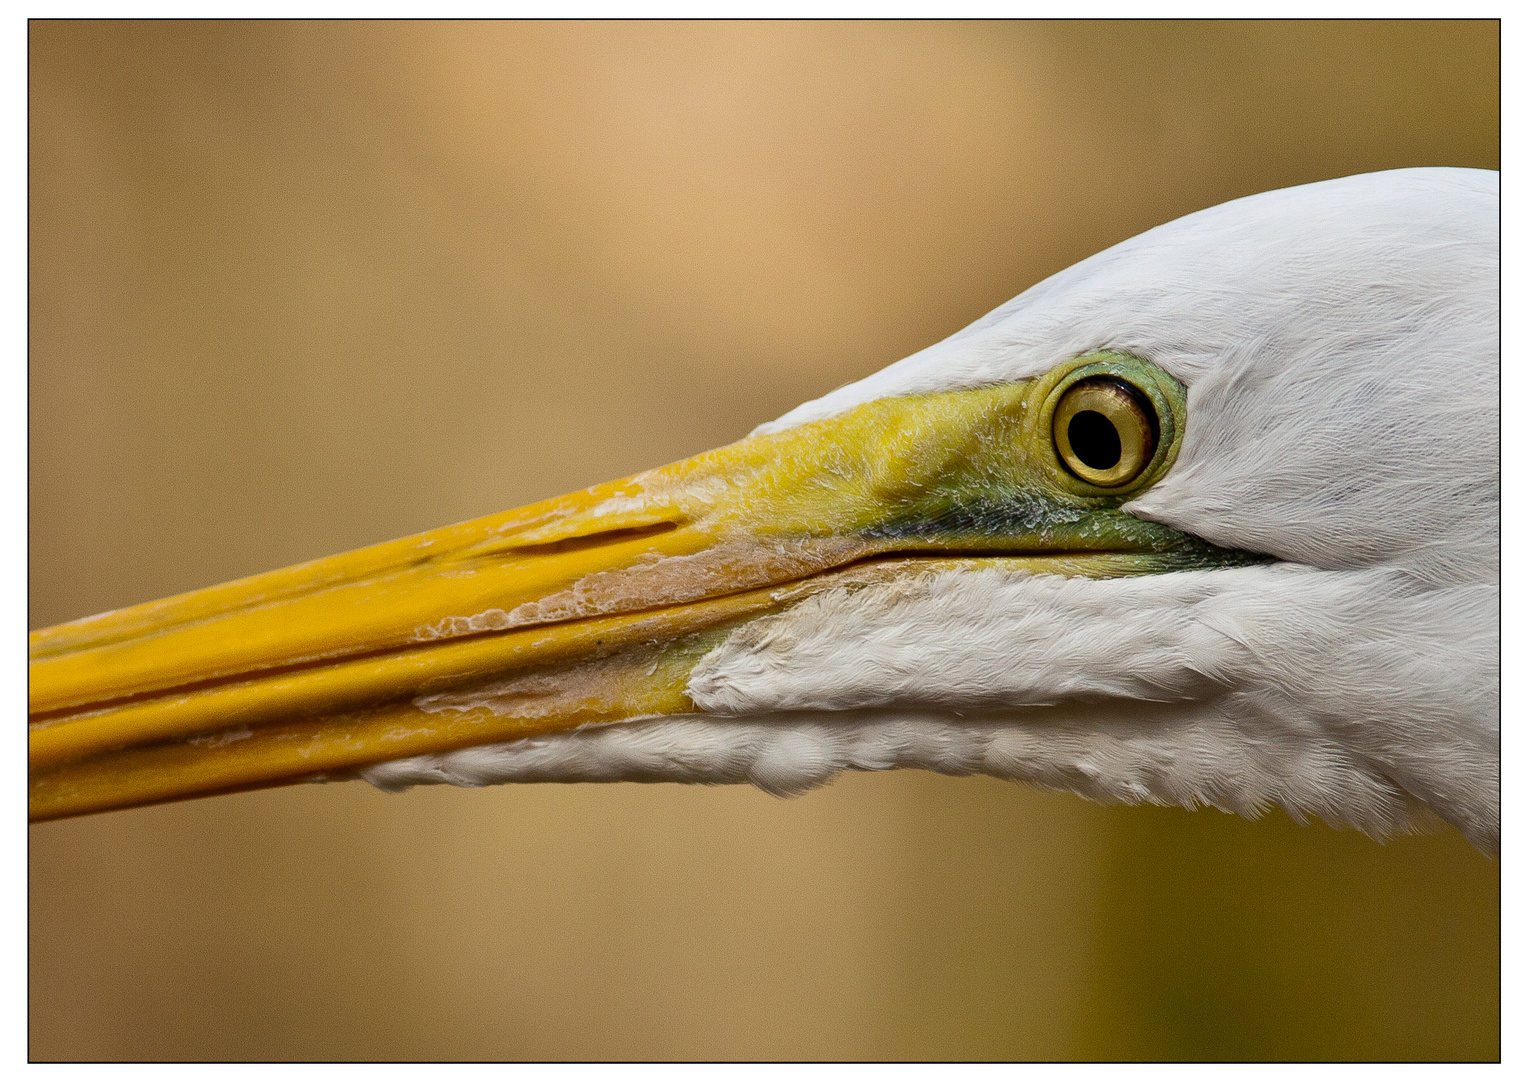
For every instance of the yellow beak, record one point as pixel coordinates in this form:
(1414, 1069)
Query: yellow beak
(588, 608)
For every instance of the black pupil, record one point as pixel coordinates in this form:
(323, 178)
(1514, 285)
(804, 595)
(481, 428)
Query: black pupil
(1094, 440)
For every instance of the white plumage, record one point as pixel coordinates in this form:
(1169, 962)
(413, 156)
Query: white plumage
(1340, 346)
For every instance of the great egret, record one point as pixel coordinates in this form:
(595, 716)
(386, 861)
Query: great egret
(1208, 518)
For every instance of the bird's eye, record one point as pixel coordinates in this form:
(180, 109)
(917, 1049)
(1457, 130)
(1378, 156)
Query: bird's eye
(1105, 430)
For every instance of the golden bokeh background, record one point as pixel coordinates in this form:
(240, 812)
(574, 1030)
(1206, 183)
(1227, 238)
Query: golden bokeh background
(297, 288)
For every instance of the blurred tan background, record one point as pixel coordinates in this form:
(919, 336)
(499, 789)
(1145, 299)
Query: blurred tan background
(297, 288)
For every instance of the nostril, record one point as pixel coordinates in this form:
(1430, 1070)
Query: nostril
(603, 538)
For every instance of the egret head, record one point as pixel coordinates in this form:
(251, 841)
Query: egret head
(1208, 518)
